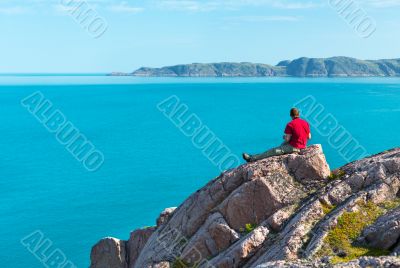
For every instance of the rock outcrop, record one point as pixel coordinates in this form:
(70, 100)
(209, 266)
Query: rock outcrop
(165, 215)
(385, 232)
(135, 244)
(109, 252)
(364, 262)
(284, 211)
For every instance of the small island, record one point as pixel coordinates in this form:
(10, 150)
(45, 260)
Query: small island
(302, 67)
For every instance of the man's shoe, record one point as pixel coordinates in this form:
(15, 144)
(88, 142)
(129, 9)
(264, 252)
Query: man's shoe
(247, 157)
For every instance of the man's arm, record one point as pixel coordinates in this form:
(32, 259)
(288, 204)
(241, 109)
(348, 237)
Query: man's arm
(288, 133)
(287, 137)
(308, 130)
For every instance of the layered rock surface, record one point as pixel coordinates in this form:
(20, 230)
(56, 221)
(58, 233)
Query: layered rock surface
(385, 232)
(277, 211)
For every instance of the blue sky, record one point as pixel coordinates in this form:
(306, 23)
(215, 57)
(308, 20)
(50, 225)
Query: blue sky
(43, 36)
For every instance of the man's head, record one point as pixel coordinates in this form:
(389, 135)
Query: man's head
(294, 113)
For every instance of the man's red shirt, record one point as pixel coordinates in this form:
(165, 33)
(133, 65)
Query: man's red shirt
(300, 131)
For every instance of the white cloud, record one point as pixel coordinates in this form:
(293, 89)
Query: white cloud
(188, 5)
(284, 4)
(70, 6)
(20, 6)
(124, 7)
(295, 5)
(13, 10)
(211, 5)
(63, 8)
(383, 3)
(263, 18)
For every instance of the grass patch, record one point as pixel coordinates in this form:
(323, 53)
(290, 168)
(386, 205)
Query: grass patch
(389, 205)
(359, 252)
(336, 174)
(179, 263)
(326, 208)
(340, 240)
(249, 227)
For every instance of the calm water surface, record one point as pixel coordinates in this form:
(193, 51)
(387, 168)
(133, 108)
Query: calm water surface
(149, 164)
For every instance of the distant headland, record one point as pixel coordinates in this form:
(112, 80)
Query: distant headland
(302, 67)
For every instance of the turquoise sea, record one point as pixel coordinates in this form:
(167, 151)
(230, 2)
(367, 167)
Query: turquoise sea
(149, 164)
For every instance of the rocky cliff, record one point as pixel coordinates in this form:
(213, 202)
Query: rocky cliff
(302, 67)
(285, 211)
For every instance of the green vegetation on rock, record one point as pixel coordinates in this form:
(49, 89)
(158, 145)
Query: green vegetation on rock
(326, 208)
(250, 227)
(179, 263)
(337, 174)
(391, 204)
(340, 239)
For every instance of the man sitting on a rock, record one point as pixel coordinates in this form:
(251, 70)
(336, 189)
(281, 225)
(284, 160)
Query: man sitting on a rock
(297, 134)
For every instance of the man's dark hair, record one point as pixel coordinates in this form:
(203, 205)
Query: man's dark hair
(294, 112)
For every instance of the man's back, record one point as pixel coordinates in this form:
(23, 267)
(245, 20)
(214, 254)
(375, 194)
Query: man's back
(300, 131)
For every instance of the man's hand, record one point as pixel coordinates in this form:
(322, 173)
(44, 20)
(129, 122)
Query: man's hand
(287, 137)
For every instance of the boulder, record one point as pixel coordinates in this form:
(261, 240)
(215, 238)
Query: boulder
(212, 238)
(277, 220)
(136, 242)
(235, 256)
(165, 215)
(385, 232)
(109, 252)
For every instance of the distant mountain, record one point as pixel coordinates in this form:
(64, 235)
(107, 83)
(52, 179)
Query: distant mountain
(342, 67)
(214, 70)
(302, 67)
